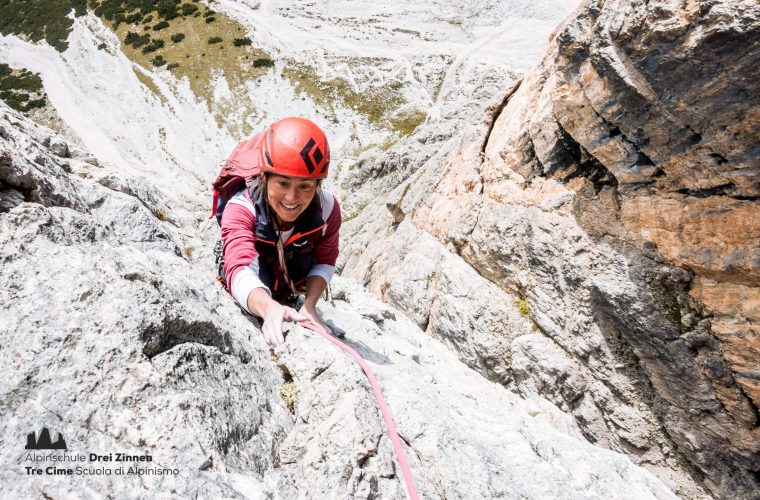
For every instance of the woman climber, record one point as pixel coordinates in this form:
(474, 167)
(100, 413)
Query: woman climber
(280, 231)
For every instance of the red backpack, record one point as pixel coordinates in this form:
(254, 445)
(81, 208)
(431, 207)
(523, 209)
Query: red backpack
(239, 170)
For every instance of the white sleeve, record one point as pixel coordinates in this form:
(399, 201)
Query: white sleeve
(246, 280)
(326, 271)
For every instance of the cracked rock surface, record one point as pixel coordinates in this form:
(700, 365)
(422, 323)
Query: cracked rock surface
(465, 436)
(607, 201)
(568, 264)
(115, 337)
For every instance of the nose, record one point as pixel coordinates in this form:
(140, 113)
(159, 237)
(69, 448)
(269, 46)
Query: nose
(291, 194)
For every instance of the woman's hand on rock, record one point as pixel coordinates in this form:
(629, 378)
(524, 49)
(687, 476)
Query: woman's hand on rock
(273, 319)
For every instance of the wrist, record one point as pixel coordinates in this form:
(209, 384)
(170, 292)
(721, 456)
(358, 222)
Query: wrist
(269, 307)
(260, 302)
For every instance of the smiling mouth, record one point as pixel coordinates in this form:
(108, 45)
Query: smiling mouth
(290, 207)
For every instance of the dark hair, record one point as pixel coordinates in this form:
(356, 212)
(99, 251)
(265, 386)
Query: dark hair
(264, 178)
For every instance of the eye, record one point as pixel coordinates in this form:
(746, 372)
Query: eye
(306, 187)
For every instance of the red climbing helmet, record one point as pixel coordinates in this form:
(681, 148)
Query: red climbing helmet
(295, 147)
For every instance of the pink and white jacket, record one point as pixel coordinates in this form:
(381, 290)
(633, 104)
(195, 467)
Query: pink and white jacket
(249, 245)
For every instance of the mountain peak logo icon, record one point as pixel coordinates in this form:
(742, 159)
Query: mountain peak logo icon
(44, 442)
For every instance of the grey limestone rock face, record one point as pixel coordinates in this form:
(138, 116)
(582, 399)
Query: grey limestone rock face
(611, 197)
(113, 336)
(29, 170)
(111, 339)
(538, 336)
(60, 148)
(466, 436)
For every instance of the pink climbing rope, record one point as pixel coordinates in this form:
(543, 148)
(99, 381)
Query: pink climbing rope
(382, 405)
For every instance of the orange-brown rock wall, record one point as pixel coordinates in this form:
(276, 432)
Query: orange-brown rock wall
(649, 111)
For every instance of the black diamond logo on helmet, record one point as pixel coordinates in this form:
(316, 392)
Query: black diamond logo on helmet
(305, 155)
(318, 155)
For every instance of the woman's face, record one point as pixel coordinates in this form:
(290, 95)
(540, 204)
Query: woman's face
(289, 196)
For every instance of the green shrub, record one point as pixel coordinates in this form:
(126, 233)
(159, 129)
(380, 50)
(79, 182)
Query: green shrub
(215, 39)
(133, 18)
(147, 6)
(109, 9)
(167, 9)
(188, 9)
(153, 46)
(118, 19)
(18, 87)
(24, 80)
(178, 37)
(135, 40)
(14, 100)
(102, 46)
(11, 96)
(35, 103)
(210, 19)
(263, 62)
(80, 7)
(158, 61)
(239, 42)
(38, 20)
(172, 66)
(160, 26)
